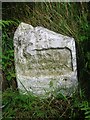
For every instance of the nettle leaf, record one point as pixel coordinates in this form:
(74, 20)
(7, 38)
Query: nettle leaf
(87, 112)
(88, 117)
(12, 74)
(83, 38)
(9, 77)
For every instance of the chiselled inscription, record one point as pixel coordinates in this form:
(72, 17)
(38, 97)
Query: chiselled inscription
(48, 62)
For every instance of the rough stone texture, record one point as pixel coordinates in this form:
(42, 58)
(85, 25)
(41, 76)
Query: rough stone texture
(45, 61)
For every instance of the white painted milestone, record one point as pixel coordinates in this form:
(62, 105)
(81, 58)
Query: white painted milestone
(45, 61)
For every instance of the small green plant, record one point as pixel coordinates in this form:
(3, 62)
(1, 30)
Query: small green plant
(86, 108)
(7, 52)
(5, 23)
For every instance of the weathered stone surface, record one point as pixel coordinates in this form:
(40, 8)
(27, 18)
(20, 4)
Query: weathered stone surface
(45, 61)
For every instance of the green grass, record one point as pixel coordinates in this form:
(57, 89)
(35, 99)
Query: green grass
(34, 108)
